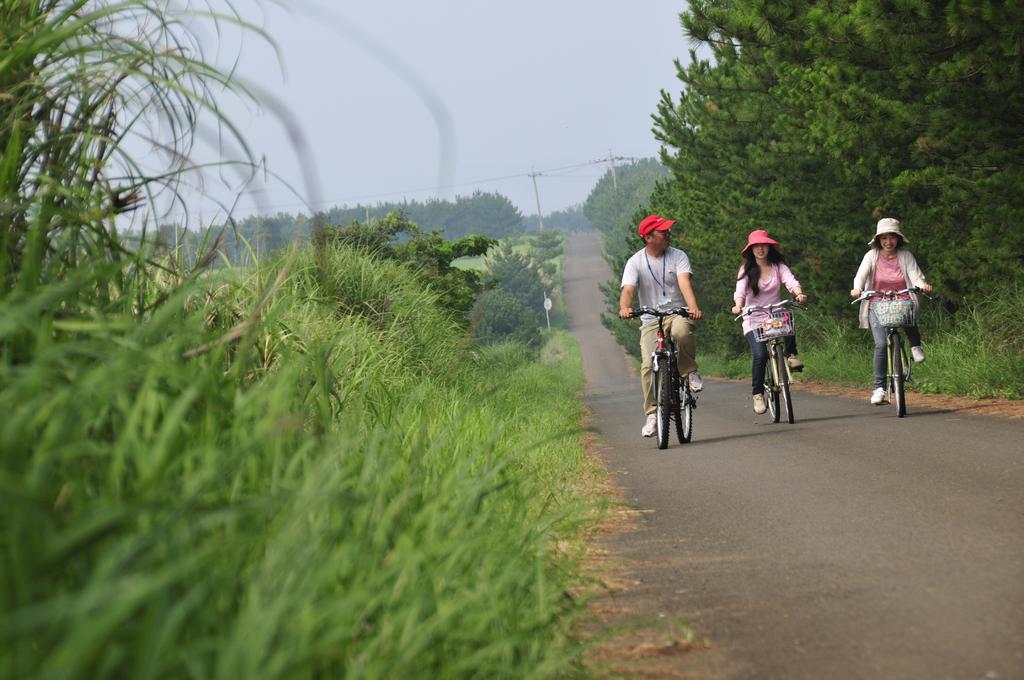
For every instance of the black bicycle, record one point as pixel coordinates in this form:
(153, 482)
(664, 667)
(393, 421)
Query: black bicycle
(673, 398)
(894, 313)
(775, 323)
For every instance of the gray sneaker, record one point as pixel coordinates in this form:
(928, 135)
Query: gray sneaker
(760, 406)
(696, 382)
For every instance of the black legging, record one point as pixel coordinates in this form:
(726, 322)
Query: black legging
(759, 350)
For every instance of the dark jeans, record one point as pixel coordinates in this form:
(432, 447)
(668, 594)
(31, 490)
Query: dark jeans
(880, 362)
(759, 350)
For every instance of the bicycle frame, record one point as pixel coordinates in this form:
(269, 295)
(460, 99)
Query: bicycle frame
(778, 375)
(676, 401)
(898, 365)
(771, 345)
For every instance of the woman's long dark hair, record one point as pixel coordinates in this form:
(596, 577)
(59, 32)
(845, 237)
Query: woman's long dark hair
(750, 268)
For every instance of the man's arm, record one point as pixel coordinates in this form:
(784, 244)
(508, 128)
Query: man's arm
(626, 302)
(686, 288)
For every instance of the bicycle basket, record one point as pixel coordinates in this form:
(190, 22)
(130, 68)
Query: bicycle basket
(892, 313)
(779, 324)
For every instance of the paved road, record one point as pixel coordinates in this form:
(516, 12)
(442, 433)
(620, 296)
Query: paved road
(850, 545)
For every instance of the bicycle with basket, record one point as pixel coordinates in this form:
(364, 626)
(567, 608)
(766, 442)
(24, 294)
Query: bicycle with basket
(775, 322)
(894, 313)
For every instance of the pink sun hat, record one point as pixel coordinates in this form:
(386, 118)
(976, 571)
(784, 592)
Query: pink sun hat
(758, 237)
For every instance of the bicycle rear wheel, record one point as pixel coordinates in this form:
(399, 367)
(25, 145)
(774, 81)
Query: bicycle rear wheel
(898, 361)
(663, 393)
(780, 366)
(684, 414)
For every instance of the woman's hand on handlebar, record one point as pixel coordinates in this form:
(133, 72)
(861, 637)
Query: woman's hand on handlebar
(625, 313)
(855, 293)
(736, 309)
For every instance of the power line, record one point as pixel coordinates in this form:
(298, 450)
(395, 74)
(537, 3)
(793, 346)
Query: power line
(549, 172)
(474, 182)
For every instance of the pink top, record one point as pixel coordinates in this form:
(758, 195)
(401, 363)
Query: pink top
(768, 293)
(889, 276)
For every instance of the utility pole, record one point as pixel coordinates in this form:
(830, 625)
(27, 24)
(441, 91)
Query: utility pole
(540, 217)
(611, 164)
(259, 227)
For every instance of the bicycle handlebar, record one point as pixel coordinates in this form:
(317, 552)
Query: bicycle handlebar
(889, 294)
(750, 309)
(681, 311)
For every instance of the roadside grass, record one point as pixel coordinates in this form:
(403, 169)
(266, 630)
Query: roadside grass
(297, 470)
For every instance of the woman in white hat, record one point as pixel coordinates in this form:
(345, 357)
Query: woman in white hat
(888, 266)
(759, 282)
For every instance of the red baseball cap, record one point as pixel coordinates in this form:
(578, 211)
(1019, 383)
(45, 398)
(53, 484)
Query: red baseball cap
(654, 223)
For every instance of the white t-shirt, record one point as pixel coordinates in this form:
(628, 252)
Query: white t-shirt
(656, 279)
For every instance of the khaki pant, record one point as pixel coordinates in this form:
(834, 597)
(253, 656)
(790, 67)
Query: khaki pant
(681, 330)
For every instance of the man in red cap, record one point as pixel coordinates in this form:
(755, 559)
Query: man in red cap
(661, 274)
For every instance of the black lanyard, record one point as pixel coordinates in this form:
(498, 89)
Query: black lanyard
(664, 276)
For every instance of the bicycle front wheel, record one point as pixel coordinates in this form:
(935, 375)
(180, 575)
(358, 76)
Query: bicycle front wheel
(771, 391)
(684, 414)
(780, 368)
(898, 361)
(663, 392)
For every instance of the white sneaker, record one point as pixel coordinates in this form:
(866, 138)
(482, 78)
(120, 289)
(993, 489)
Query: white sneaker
(917, 353)
(878, 396)
(696, 382)
(759, 404)
(650, 426)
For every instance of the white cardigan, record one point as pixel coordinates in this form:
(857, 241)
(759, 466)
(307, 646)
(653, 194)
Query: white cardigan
(866, 274)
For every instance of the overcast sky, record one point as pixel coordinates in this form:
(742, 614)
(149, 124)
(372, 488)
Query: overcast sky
(402, 99)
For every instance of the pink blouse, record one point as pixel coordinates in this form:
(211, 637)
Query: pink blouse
(768, 293)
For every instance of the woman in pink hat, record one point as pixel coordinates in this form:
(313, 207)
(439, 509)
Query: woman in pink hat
(888, 266)
(759, 282)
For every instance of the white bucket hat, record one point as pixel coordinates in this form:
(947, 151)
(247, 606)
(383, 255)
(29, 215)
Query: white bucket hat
(887, 225)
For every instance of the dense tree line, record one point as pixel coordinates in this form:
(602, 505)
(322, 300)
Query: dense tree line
(617, 201)
(488, 214)
(565, 220)
(485, 214)
(615, 206)
(814, 119)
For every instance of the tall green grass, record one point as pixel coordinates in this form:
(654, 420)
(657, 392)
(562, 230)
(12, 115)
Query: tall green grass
(297, 472)
(99, 102)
